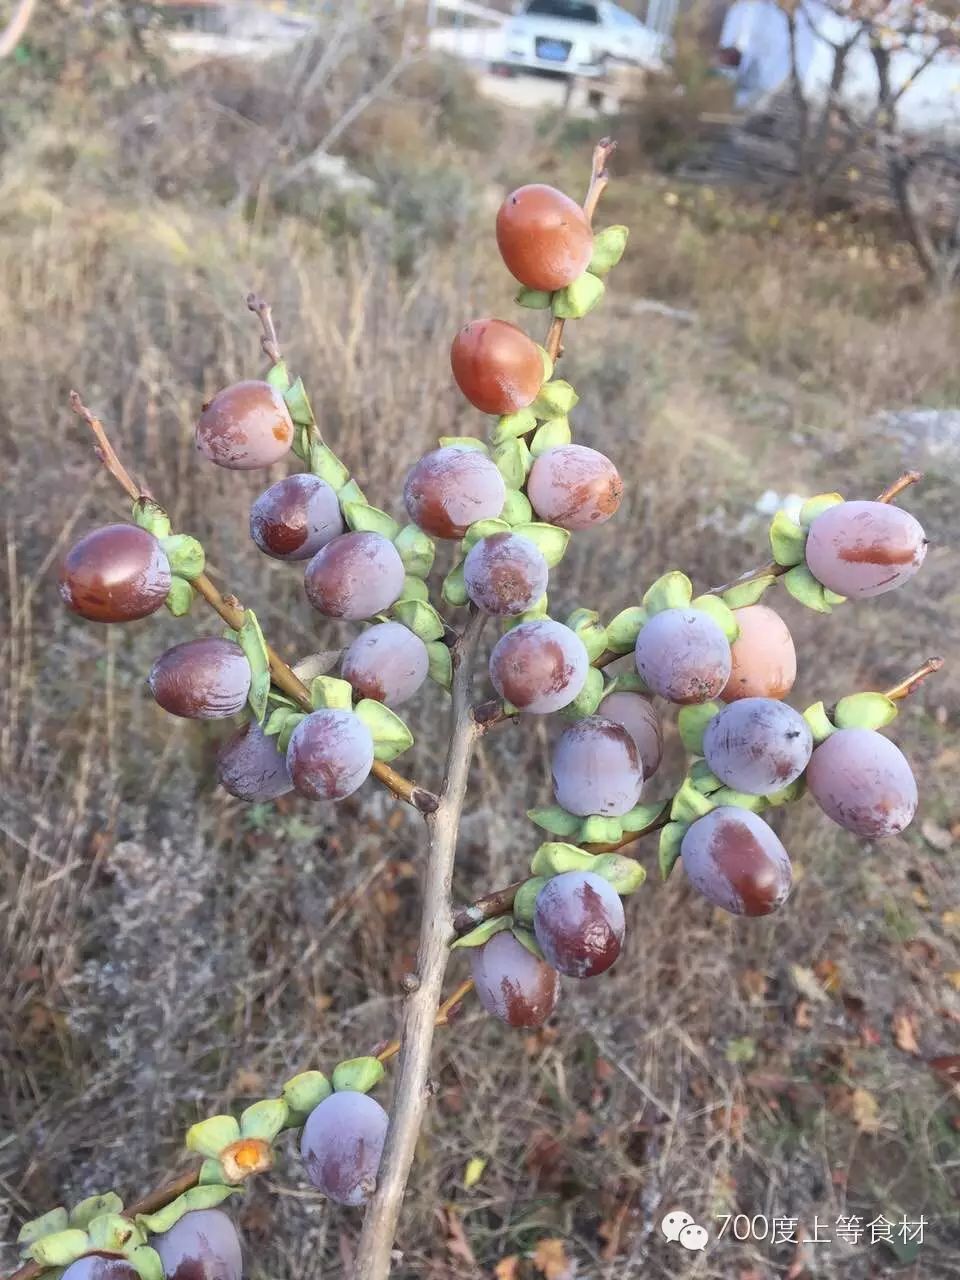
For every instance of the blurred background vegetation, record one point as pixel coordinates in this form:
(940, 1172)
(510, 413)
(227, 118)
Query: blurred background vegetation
(168, 951)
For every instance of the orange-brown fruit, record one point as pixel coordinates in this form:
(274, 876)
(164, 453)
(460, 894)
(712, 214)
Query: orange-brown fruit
(496, 366)
(544, 237)
(763, 657)
(245, 426)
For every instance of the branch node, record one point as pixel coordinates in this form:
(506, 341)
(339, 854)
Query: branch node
(410, 982)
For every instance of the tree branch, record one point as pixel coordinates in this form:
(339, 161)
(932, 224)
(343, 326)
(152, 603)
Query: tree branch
(232, 611)
(436, 933)
(14, 31)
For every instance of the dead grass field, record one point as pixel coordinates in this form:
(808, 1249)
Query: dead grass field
(168, 952)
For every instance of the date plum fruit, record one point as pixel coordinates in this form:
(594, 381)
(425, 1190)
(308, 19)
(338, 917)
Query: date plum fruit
(763, 658)
(861, 549)
(341, 1146)
(330, 754)
(115, 574)
(579, 922)
(539, 666)
(203, 1245)
(505, 574)
(736, 861)
(204, 679)
(245, 426)
(574, 487)
(639, 717)
(496, 366)
(387, 662)
(512, 983)
(450, 488)
(596, 768)
(544, 237)
(100, 1266)
(863, 782)
(683, 656)
(354, 576)
(250, 766)
(757, 745)
(295, 517)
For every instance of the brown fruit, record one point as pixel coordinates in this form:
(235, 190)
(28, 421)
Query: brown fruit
(763, 658)
(544, 237)
(245, 426)
(115, 574)
(496, 366)
(204, 679)
(450, 488)
(574, 487)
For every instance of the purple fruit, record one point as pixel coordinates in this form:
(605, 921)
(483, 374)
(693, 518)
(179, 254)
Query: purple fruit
(203, 1245)
(205, 679)
(295, 517)
(579, 923)
(574, 487)
(245, 426)
(734, 859)
(539, 666)
(863, 782)
(355, 576)
(638, 716)
(341, 1146)
(683, 655)
(250, 766)
(386, 662)
(100, 1266)
(115, 574)
(450, 488)
(512, 983)
(596, 768)
(330, 754)
(757, 745)
(505, 574)
(862, 549)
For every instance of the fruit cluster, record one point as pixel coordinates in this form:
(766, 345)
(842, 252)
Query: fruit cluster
(506, 506)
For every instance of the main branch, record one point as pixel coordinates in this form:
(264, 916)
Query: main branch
(436, 933)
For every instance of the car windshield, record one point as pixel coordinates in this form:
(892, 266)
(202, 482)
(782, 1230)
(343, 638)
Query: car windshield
(571, 10)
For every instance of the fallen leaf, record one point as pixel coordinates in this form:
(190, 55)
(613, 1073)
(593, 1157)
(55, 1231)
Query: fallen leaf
(905, 1032)
(754, 984)
(951, 919)
(551, 1260)
(921, 899)
(805, 980)
(939, 837)
(829, 974)
(474, 1171)
(865, 1111)
(458, 1246)
(508, 1268)
(612, 1232)
(948, 1066)
(803, 1015)
(953, 977)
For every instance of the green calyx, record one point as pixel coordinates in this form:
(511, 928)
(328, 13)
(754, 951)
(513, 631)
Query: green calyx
(535, 299)
(821, 726)
(626, 682)
(331, 693)
(510, 426)
(626, 875)
(184, 554)
(805, 589)
(302, 1093)
(525, 899)
(391, 737)
(298, 403)
(482, 933)
(454, 589)
(415, 589)
(589, 697)
(82, 1214)
(689, 804)
(416, 549)
(579, 297)
(325, 464)
(264, 1119)
(362, 518)
(513, 460)
(554, 400)
(586, 624)
(204, 1196)
(483, 529)
(516, 508)
(720, 612)
(357, 1075)
(550, 435)
(251, 641)
(642, 816)
(668, 850)
(472, 443)
(440, 668)
(151, 516)
(623, 630)
(421, 618)
(555, 820)
(787, 540)
(550, 540)
(554, 858)
(864, 711)
(211, 1136)
(673, 590)
(179, 597)
(541, 609)
(608, 249)
(742, 594)
(527, 938)
(600, 829)
(278, 377)
(816, 506)
(692, 722)
(350, 492)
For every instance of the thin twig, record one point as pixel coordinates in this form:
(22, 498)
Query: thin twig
(914, 681)
(443, 1017)
(264, 313)
(233, 613)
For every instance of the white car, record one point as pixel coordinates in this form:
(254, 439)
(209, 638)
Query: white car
(577, 38)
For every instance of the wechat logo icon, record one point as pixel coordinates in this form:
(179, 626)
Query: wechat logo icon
(680, 1228)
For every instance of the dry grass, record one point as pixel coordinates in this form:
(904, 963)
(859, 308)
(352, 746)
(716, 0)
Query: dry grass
(169, 951)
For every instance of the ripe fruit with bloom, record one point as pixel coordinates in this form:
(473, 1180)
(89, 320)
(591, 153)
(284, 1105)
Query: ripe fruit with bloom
(251, 767)
(683, 655)
(539, 666)
(596, 768)
(512, 983)
(387, 662)
(496, 366)
(505, 574)
(757, 745)
(737, 862)
(295, 517)
(330, 754)
(100, 1266)
(203, 1245)
(763, 660)
(245, 426)
(450, 488)
(544, 237)
(341, 1145)
(862, 549)
(115, 574)
(639, 717)
(205, 679)
(863, 782)
(579, 922)
(574, 487)
(354, 576)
